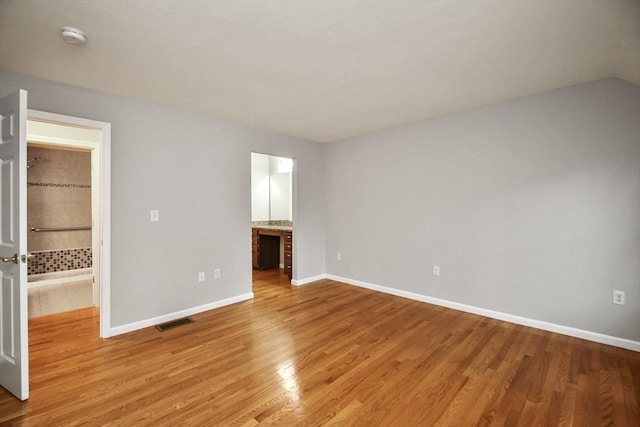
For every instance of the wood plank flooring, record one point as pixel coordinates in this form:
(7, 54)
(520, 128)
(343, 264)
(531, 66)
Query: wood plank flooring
(323, 354)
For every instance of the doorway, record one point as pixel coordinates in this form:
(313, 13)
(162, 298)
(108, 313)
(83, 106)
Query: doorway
(272, 213)
(86, 236)
(59, 224)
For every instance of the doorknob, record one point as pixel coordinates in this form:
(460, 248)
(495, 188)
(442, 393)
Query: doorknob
(13, 259)
(24, 258)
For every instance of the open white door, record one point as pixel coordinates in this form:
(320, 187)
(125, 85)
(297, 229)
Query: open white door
(14, 350)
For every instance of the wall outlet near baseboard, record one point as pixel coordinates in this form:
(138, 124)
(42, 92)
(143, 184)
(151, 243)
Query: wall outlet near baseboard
(618, 297)
(216, 273)
(201, 276)
(339, 256)
(436, 270)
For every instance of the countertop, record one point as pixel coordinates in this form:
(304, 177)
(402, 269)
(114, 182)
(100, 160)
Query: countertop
(274, 227)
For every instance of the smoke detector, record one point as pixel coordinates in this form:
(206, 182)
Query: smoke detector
(73, 35)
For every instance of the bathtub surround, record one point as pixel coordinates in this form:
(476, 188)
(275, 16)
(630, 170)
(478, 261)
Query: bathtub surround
(51, 184)
(59, 260)
(59, 297)
(58, 196)
(58, 277)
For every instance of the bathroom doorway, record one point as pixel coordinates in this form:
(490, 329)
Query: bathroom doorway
(59, 223)
(68, 227)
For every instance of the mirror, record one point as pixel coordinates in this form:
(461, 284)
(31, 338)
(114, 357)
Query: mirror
(271, 189)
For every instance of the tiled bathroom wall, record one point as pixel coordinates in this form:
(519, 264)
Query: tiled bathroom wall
(59, 260)
(58, 196)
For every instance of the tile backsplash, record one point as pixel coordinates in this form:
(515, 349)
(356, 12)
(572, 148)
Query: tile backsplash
(59, 260)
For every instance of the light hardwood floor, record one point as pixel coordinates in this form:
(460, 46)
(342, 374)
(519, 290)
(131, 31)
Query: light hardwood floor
(323, 354)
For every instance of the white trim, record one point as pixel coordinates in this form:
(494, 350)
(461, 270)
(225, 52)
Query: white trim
(307, 280)
(538, 324)
(130, 327)
(63, 142)
(102, 268)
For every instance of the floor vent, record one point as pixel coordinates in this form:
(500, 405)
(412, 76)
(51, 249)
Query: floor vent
(174, 324)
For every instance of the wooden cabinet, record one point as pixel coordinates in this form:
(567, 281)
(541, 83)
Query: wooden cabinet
(265, 249)
(288, 253)
(254, 248)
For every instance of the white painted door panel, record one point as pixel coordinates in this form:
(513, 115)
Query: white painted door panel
(14, 356)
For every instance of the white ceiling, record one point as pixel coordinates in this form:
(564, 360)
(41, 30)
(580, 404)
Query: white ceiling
(324, 70)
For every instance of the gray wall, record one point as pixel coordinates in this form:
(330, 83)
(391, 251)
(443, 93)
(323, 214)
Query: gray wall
(197, 172)
(530, 207)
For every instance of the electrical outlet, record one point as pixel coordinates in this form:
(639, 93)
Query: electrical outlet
(618, 297)
(436, 270)
(154, 215)
(201, 276)
(339, 256)
(216, 273)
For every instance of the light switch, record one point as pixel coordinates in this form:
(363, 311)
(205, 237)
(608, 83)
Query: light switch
(154, 215)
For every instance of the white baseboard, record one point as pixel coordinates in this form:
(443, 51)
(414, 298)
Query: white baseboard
(130, 327)
(538, 324)
(304, 281)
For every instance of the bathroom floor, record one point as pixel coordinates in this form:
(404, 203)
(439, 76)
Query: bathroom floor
(50, 299)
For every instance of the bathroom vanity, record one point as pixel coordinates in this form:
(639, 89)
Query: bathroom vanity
(266, 243)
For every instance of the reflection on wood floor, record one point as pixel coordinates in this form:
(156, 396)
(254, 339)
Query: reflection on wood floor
(324, 353)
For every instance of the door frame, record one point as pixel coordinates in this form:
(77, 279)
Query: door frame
(101, 237)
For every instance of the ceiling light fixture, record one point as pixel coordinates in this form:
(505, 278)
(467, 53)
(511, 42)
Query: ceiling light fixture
(73, 35)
